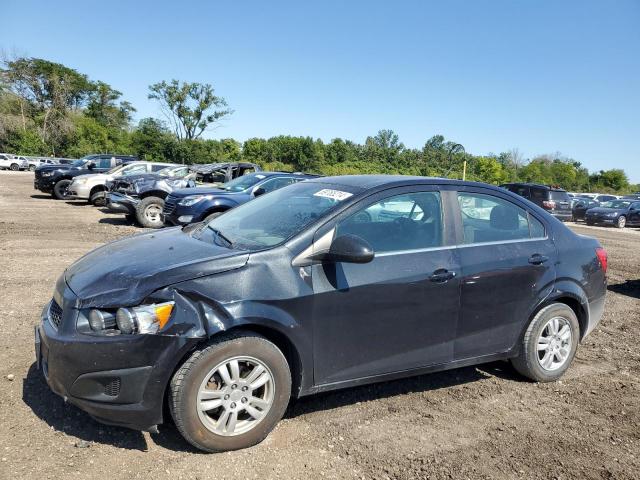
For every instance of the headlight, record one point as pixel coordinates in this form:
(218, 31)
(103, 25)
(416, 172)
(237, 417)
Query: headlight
(612, 214)
(47, 174)
(192, 200)
(99, 320)
(144, 319)
(80, 181)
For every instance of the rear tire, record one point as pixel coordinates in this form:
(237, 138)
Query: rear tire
(148, 212)
(32, 168)
(240, 414)
(60, 190)
(621, 222)
(545, 355)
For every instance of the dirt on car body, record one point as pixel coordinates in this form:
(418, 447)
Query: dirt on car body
(476, 422)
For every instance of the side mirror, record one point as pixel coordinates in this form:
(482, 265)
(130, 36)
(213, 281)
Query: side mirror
(347, 248)
(91, 165)
(259, 191)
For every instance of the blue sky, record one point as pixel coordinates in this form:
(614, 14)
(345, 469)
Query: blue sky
(540, 76)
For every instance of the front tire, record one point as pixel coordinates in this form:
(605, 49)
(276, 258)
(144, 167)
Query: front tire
(621, 222)
(14, 167)
(32, 168)
(230, 394)
(149, 212)
(98, 199)
(549, 344)
(61, 189)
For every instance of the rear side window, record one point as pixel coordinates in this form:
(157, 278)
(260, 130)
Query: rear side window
(560, 196)
(410, 221)
(540, 194)
(486, 218)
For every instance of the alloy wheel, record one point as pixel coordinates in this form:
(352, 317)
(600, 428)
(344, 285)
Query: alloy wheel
(152, 213)
(554, 343)
(235, 396)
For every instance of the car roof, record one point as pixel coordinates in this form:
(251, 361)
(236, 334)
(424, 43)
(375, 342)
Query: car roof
(536, 185)
(385, 181)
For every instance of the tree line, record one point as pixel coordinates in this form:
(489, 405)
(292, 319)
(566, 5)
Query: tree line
(47, 108)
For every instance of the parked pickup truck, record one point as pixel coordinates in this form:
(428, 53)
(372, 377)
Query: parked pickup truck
(12, 162)
(142, 197)
(92, 187)
(55, 179)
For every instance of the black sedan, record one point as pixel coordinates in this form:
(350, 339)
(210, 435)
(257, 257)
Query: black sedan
(619, 213)
(324, 284)
(580, 207)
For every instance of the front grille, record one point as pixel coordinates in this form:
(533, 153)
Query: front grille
(55, 314)
(169, 205)
(112, 389)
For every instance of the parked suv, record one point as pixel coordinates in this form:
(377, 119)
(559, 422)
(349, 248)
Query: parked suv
(92, 187)
(12, 162)
(324, 284)
(55, 179)
(190, 205)
(554, 200)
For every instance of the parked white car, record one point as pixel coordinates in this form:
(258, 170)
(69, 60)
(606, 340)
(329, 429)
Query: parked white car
(91, 187)
(12, 162)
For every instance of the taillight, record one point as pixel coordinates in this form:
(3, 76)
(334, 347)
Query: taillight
(549, 204)
(602, 256)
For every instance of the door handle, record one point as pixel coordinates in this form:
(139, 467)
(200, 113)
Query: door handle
(537, 259)
(441, 275)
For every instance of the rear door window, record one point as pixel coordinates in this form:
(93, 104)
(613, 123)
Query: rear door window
(559, 196)
(486, 218)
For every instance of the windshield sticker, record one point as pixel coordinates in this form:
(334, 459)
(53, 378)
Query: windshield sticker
(260, 176)
(333, 194)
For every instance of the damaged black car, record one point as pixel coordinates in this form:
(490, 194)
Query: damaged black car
(323, 284)
(142, 197)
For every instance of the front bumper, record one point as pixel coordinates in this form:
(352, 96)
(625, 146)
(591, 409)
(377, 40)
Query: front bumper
(179, 215)
(79, 191)
(121, 203)
(44, 184)
(118, 380)
(601, 220)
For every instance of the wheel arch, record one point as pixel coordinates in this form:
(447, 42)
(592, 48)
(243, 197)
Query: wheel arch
(154, 193)
(572, 296)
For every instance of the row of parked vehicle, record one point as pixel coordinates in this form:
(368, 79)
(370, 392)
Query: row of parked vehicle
(594, 208)
(156, 194)
(16, 163)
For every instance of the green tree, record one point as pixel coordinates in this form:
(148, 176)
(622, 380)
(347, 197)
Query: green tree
(190, 107)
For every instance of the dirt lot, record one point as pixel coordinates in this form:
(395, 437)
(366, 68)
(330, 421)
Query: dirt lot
(482, 422)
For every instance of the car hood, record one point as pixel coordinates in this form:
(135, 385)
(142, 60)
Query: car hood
(183, 192)
(125, 272)
(606, 210)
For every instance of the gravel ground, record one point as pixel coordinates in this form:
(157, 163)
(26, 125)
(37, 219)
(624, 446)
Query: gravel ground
(477, 422)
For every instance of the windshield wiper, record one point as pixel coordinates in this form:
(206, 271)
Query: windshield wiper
(220, 235)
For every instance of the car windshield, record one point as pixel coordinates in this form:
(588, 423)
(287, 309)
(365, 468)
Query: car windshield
(273, 218)
(80, 162)
(615, 204)
(242, 183)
